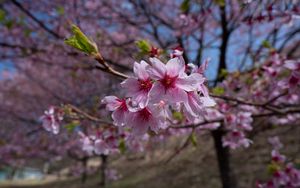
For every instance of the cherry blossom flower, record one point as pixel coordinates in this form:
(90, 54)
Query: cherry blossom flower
(138, 87)
(148, 117)
(275, 142)
(235, 139)
(172, 83)
(119, 108)
(51, 120)
(277, 157)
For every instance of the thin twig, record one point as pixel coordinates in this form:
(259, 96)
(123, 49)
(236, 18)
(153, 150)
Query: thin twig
(219, 120)
(107, 68)
(88, 116)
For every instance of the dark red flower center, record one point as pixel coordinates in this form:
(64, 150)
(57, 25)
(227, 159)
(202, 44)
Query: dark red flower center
(293, 80)
(123, 105)
(145, 114)
(168, 81)
(145, 85)
(236, 134)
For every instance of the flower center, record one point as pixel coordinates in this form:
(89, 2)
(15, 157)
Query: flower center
(293, 80)
(123, 105)
(145, 85)
(168, 81)
(145, 114)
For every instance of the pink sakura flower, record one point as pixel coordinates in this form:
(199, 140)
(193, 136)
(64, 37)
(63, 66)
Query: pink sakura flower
(292, 65)
(87, 143)
(148, 117)
(119, 108)
(275, 142)
(280, 178)
(294, 80)
(195, 105)
(240, 121)
(101, 147)
(51, 119)
(235, 139)
(95, 144)
(177, 52)
(293, 175)
(277, 157)
(172, 83)
(138, 87)
(203, 66)
(244, 121)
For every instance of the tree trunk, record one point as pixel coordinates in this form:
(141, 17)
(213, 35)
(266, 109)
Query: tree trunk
(223, 157)
(102, 170)
(84, 174)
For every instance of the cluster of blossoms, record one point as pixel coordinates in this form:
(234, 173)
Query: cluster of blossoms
(284, 76)
(236, 124)
(284, 174)
(52, 118)
(271, 88)
(110, 141)
(102, 143)
(155, 91)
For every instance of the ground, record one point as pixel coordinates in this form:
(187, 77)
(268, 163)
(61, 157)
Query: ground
(194, 167)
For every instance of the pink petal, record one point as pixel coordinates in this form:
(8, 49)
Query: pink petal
(131, 85)
(157, 92)
(119, 116)
(139, 126)
(203, 89)
(207, 101)
(194, 105)
(111, 102)
(101, 147)
(175, 95)
(191, 82)
(142, 98)
(140, 71)
(175, 67)
(158, 69)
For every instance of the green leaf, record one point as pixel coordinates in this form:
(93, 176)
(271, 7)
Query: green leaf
(9, 23)
(178, 116)
(27, 32)
(71, 126)
(81, 42)
(122, 146)
(185, 6)
(220, 2)
(218, 90)
(249, 81)
(2, 15)
(297, 165)
(272, 168)
(143, 46)
(223, 73)
(266, 44)
(60, 10)
(194, 139)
